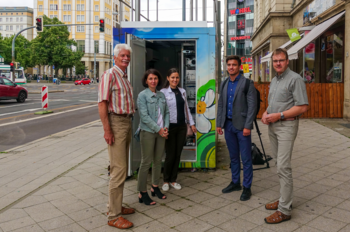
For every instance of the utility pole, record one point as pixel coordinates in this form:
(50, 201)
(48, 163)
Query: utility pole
(183, 10)
(218, 41)
(191, 10)
(132, 12)
(137, 10)
(204, 10)
(120, 12)
(156, 9)
(196, 10)
(148, 9)
(94, 63)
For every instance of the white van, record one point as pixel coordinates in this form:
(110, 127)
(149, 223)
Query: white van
(19, 74)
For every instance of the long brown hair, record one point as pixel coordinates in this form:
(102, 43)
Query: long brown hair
(170, 71)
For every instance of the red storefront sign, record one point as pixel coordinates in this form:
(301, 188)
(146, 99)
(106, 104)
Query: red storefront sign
(250, 66)
(240, 37)
(240, 11)
(243, 59)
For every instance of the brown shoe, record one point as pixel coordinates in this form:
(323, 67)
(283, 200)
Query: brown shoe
(120, 223)
(126, 211)
(272, 206)
(277, 217)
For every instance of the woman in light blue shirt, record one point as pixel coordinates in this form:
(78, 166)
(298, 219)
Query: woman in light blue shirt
(154, 124)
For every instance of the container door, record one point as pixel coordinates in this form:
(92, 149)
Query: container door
(135, 71)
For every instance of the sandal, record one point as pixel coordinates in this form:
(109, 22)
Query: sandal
(277, 217)
(156, 191)
(120, 223)
(146, 199)
(126, 211)
(272, 206)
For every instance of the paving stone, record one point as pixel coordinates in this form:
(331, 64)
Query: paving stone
(328, 200)
(12, 214)
(236, 209)
(306, 229)
(314, 207)
(31, 228)
(93, 222)
(43, 212)
(268, 194)
(285, 226)
(175, 219)
(180, 204)
(154, 226)
(84, 214)
(17, 223)
(184, 192)
(216, 217)
(73, 207)
(338, 214)
(326, 224)
(345, 229)
(107, 228)
(260, 229)
(255, 216)
(138, 219)
(194, 225)
(302, 217)
(306, 194)
(56, 223)
(238, 224)
(158, 211)
(216, 202)
(57, 195)
(319, 188)
(200, 197)
(197, 210)
(75, 227)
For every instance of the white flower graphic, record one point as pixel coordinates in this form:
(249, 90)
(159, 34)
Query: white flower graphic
(205, 112)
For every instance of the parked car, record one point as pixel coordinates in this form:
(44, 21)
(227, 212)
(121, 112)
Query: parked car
(10, 90)
(84, 81)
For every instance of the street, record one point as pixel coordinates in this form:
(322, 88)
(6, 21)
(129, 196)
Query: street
(73, 107)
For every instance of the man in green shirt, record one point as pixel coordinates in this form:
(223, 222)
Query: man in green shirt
(287, 101)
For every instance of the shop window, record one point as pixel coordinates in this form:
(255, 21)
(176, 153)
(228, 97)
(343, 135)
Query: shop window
(309, 63)
(333, 46)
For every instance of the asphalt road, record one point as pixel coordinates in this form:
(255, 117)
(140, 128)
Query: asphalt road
(75, 106)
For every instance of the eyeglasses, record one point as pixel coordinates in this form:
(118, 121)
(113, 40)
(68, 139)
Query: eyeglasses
(278, 61)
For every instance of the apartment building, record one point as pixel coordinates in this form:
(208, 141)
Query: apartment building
(88, 37)
(239, 21)
(14, 19)
(320, 56)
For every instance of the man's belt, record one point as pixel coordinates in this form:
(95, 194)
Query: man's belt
(289, 119)
(123, 115)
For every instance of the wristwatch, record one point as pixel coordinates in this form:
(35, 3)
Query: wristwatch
(282, 115)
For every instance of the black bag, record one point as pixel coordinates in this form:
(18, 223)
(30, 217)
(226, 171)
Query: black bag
(257, 156)
(258, 99)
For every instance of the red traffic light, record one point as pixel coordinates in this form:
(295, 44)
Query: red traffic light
(11, 64)
(102, 21)
(38, 20)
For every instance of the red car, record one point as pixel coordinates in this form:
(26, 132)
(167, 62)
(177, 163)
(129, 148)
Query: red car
(84, 81)
(10, 90)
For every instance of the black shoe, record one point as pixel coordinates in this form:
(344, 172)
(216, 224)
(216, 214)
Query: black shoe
(232, 187)
(247, 193)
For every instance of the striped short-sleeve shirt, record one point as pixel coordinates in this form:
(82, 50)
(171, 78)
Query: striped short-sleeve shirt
(115, 88)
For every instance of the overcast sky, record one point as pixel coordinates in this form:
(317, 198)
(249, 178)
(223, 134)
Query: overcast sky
(169, 10)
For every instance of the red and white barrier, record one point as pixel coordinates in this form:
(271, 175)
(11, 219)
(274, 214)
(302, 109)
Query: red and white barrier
(44, 97)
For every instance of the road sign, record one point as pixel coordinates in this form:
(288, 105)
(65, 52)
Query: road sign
(245, 68)
(53, 66)
(44, 97)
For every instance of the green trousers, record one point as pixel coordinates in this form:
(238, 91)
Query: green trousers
(152, 150)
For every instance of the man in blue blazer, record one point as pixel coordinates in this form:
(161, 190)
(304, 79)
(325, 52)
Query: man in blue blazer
(236, 113)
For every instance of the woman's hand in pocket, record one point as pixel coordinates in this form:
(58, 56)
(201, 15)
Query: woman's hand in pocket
(194, 129)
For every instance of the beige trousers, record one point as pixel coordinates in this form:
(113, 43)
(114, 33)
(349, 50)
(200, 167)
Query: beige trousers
(118, 156)
(282, 136)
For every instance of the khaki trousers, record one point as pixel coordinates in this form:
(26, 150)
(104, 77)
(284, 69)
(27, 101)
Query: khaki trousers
(152, 150)
(118, 156)
(282, 136)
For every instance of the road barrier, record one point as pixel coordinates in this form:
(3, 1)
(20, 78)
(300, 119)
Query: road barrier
(44, 97)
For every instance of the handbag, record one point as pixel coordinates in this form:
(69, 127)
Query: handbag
(189, 129)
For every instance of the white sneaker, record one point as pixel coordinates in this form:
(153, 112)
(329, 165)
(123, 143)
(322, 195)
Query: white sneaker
(165, 187)
(176, 186)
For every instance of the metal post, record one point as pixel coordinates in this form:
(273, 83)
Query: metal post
(218, 42)
(94, 63)
(204, 9)
(137, 10)
(120, 12)
(191, 10)
(132, 11)
(196, 10)
(183, 10)
(148, 9)
(156, 10)
(110, 56)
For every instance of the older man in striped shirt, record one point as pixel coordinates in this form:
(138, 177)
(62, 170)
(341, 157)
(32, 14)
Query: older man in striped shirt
(116, 107)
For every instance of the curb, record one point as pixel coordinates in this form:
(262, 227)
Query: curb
(53, 91)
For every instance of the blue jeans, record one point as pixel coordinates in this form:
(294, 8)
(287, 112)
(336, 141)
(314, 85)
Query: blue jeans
(236, 144)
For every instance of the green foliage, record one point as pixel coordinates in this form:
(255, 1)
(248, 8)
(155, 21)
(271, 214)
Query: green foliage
(79, 68)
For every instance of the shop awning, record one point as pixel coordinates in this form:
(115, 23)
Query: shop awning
(312, 35)
(268, 56)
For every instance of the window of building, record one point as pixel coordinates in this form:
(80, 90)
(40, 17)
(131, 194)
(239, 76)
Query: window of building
(67, 7)
(249, 16)
(11, 28)
(80, 18)
(40, 8)
(232, 4)
(7, 19)
(232, 18)
(17, 28)
(96, 29)
(53, 7)
(96, 7)
(10, 19)
(0, 28)
(231, 31)
(67, 18)
(81, 45)
(96, 18)
(248, 47)
(249, 2)
(80, 7)
(21, 27)
(0, 19)
(21, 19)
(80, 28)
(7, 28)
(17, 19)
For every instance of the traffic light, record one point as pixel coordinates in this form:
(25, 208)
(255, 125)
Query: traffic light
(12, 67)
(39, 24)
(102, 25)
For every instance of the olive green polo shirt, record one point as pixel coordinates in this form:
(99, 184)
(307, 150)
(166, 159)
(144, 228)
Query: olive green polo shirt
(286, 90)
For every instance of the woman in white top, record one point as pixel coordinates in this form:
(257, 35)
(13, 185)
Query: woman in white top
(176, 100)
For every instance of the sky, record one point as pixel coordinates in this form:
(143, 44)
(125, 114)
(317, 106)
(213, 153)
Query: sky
(168, 10)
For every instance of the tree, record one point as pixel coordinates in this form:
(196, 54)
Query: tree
(53, 46)
(80, 68)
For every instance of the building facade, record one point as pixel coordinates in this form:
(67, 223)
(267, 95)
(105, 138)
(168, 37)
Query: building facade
(14, 19)
(88, 37)
(239, 25)
(320, 56)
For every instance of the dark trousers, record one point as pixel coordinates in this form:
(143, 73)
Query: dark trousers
(173, 147)
(236, 144)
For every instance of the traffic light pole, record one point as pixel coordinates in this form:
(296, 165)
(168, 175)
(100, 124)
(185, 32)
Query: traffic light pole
(51, 25)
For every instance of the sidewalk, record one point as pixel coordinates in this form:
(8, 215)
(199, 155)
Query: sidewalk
(60, 183)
